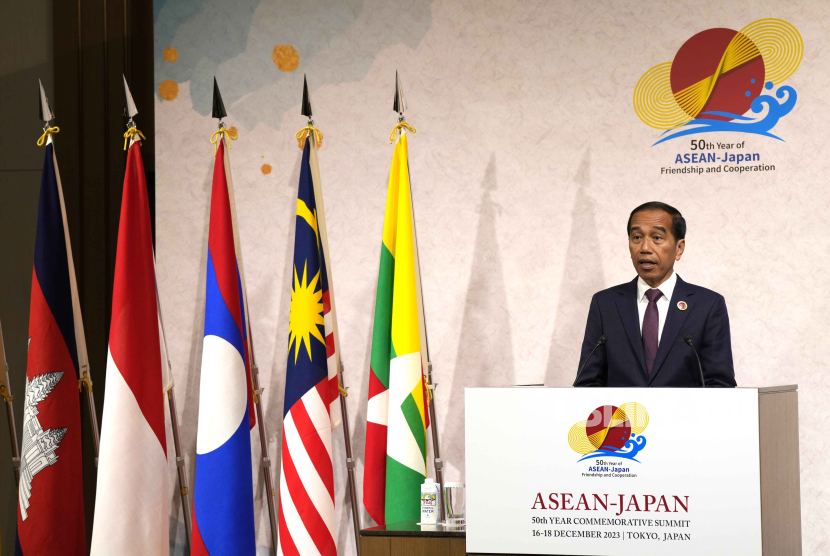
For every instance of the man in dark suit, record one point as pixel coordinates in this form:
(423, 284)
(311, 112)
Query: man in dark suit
(645, 322)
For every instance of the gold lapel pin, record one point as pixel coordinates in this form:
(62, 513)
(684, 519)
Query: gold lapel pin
(682, 305)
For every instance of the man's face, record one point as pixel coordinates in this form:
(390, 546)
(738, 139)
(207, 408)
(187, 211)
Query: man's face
(653, 247)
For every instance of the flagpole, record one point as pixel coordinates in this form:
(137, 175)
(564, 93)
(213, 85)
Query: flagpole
(84, 379)
(265, 462)
(181, 470)
(399, 106)
(167, 377)
(218, 112)
(80, 337)
(263, 438)
(350, 461)
(324, 240)
(438, 463)
(5, 393)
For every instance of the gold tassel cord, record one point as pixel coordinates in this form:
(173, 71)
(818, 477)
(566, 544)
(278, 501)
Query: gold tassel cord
(343, 391)
(5, 395)
(402, 126)
(305, 132)
(254, 391)
(46, 133)
(84, 381)
(130, 134)
(230, 133)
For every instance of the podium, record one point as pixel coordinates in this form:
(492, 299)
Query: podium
(633, 471)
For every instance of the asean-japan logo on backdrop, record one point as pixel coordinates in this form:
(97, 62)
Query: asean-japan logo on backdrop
(611, 431)
(723, 80)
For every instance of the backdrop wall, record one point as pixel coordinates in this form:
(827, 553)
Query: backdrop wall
(528, 158)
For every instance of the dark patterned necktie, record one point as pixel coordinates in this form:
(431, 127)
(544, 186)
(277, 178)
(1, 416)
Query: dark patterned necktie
(651, 325)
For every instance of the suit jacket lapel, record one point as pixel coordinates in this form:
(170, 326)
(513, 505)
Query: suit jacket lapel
(627, 307)
(674, 323)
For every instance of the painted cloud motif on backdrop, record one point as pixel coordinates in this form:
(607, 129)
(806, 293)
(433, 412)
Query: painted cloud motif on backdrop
(253, 44)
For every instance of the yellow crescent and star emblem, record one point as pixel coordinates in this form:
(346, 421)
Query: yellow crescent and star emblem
(306, 316)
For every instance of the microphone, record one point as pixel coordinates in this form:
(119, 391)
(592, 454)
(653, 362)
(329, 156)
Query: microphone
(688, 339)
(600, 342)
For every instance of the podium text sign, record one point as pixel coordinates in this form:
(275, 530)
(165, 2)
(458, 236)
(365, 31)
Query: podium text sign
(613, 471)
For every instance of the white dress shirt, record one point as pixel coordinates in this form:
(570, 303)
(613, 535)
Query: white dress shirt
(663, 303)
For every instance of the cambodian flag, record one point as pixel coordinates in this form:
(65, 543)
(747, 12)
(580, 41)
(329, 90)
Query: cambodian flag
(223, 498)
(50, 518)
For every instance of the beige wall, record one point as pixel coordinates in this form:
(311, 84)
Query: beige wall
(526, 163)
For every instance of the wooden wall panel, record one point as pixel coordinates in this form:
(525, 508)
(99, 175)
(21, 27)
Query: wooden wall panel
(95, 43)
(420, 546)
(458, 547)
(26, 48)
(375, 546)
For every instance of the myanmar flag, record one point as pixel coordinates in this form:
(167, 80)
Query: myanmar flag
(395, 463)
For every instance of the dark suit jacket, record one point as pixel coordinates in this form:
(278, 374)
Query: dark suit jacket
(620, 362)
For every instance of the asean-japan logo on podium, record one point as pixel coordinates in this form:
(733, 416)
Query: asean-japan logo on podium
(611, 431)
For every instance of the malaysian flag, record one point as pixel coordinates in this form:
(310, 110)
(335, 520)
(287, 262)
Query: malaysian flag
(311, 407)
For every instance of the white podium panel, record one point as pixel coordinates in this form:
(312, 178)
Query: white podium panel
(613, 471)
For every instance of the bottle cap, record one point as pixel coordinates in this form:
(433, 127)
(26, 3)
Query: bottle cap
(428, 480)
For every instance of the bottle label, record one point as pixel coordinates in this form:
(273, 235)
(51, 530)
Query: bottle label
(429, 506)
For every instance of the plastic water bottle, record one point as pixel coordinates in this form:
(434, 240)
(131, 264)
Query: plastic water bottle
(430, 502)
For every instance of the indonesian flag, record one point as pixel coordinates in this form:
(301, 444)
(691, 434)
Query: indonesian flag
(50, 517)
(223, 495)
(397, 418)
(311, 407)
(132, 505)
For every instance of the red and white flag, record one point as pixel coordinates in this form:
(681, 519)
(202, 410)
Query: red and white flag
(132, 505)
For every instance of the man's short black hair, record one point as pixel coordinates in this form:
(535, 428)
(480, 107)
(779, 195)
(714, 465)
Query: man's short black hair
(678, 223)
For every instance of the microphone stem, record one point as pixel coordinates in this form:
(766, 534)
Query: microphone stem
(586, 362)
(699, 366)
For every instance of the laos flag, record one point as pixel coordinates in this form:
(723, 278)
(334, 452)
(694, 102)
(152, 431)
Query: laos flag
(50, 517)
(223, 497)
